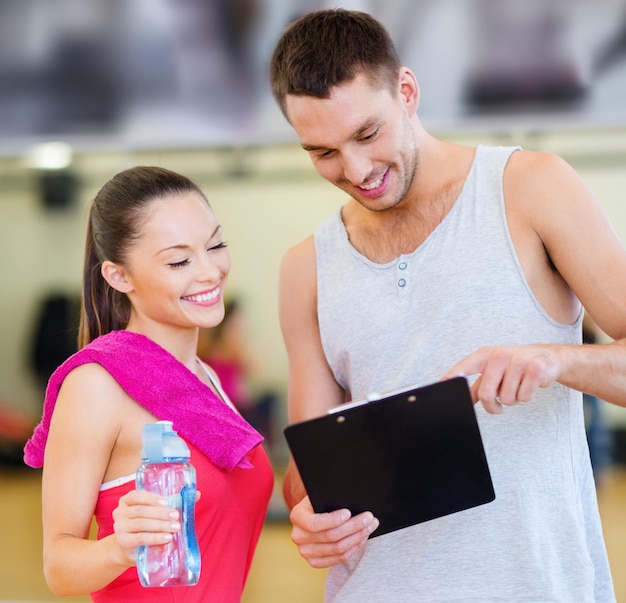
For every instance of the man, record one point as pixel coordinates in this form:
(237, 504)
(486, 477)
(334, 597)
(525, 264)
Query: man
(447, 260)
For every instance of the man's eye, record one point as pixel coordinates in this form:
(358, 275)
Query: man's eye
(324, 154)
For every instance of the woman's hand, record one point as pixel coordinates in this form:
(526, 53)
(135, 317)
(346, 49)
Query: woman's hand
(143, 518)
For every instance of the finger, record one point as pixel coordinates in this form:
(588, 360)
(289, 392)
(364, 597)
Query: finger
(138, 531)
(513, 376)
(138, 497)
(141, 512)
(131, 540)
(530, 382)
(493, 374)
(473, 364)
(304, 516)
(463, 368)
(358, 526)
(491, 404)
(144, 502)
(147, 524)
(323, 555)
(335, 533)
(138, 513)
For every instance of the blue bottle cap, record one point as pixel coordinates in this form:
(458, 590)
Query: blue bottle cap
(160, 441)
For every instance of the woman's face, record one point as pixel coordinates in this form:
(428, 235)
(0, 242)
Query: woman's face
(176, 271)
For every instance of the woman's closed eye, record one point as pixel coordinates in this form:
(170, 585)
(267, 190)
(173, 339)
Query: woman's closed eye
(187, 261)
(180, 264)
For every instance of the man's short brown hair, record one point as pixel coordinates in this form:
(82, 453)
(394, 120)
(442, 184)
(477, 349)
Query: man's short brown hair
(327, 48)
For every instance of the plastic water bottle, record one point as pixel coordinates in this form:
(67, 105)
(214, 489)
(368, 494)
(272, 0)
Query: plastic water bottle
(166, 470)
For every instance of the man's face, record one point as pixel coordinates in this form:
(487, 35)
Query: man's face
(361, 139)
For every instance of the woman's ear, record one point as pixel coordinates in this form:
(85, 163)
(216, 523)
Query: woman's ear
(409, 89)
(116, 276)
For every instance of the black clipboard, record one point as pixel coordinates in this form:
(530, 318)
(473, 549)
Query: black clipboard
(408, 457)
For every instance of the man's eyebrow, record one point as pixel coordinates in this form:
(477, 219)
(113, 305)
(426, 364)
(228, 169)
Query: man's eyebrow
(313, 147)
(368, 125)
(372, 123)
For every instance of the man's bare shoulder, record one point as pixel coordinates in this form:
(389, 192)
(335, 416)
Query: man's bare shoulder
(525, 168)
(298, 276)
(300, 257)
(543, 183)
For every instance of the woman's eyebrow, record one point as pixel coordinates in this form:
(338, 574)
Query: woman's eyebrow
(184, 245)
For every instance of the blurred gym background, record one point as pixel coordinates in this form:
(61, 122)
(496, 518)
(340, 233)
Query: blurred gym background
(90, 87)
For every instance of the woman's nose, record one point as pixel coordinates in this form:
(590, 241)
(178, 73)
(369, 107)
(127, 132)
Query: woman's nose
(208, 269)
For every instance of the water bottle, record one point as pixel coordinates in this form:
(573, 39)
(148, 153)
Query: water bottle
(166, 470)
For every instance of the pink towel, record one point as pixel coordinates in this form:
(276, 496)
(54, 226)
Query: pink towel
(164, 386)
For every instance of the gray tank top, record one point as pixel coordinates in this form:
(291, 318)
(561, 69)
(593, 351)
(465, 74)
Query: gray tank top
(389, 326)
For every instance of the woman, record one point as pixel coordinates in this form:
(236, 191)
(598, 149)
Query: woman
(155, 270)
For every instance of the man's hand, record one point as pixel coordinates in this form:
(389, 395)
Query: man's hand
(508, 375)
(327, 539)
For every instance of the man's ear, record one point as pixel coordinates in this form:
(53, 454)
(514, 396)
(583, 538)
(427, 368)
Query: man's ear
(409, 89)
(116, 276)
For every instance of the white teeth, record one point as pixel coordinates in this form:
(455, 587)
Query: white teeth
(204, 297)
(373, 185)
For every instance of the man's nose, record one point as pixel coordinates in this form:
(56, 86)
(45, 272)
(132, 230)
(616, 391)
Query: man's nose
(356, 168)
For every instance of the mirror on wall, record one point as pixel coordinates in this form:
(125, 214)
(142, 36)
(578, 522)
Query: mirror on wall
(180, 73)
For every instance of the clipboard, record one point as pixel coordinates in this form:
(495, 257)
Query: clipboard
(408, 457)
